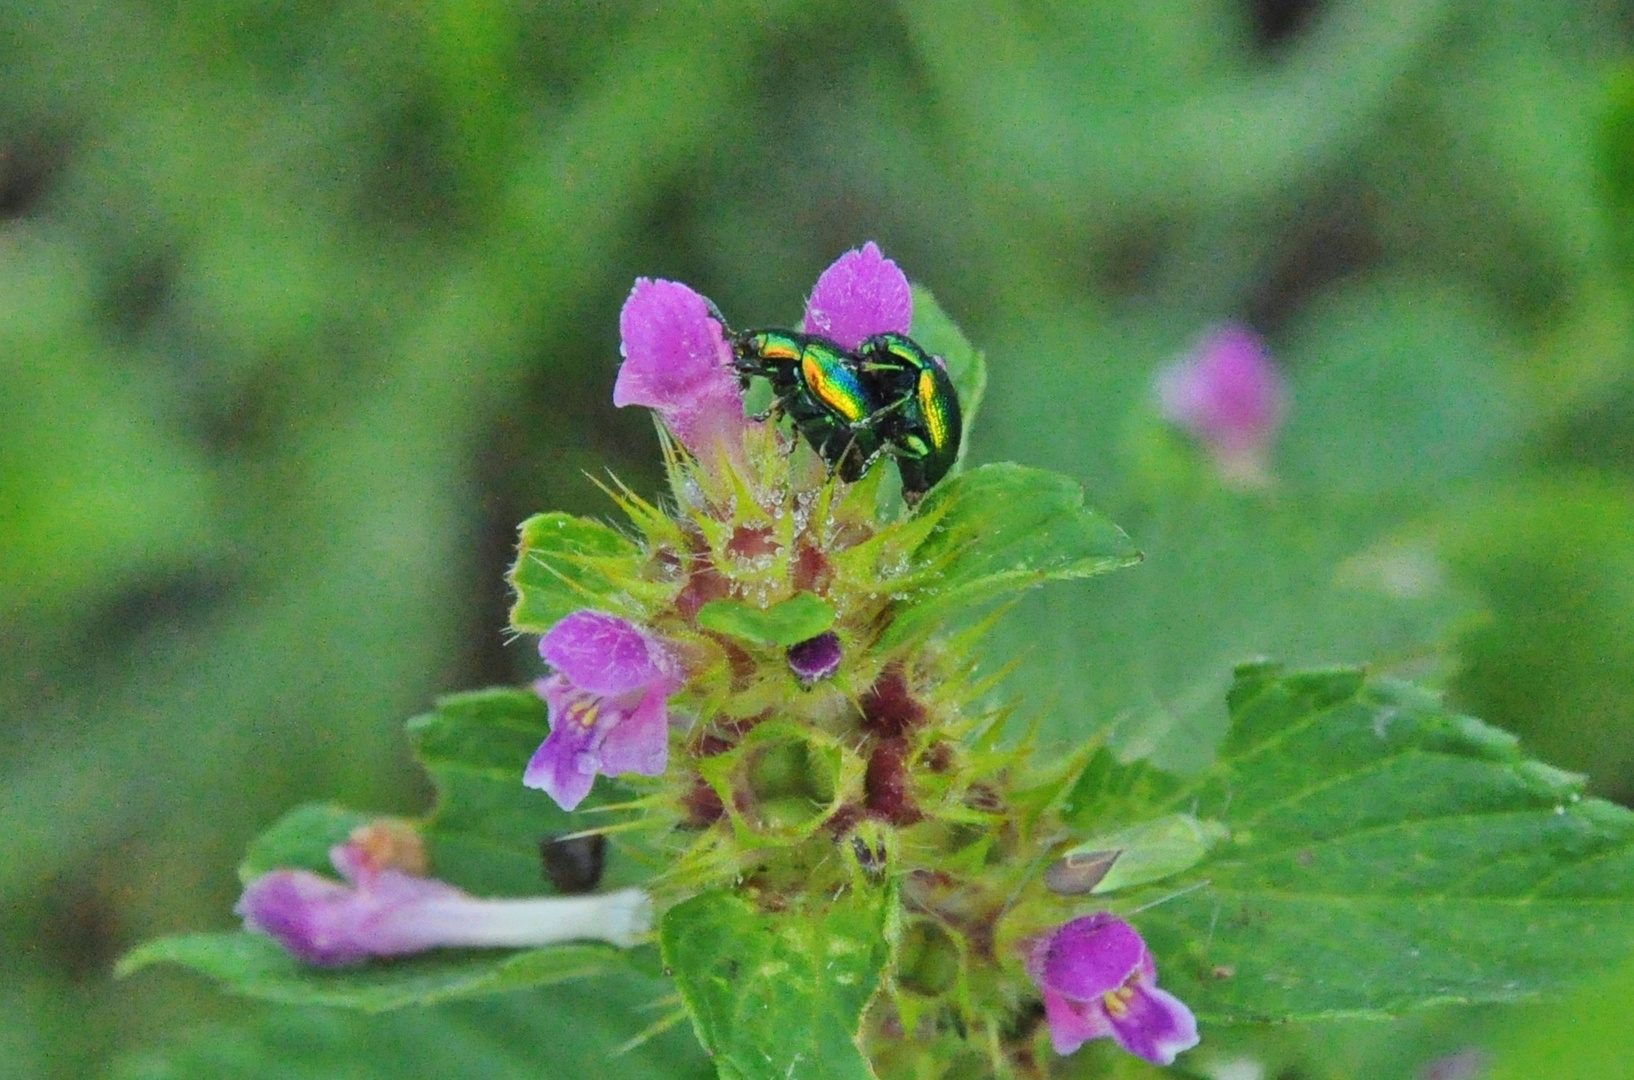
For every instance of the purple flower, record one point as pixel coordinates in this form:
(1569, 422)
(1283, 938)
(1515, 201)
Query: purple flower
(608, 703)
(862, 294)
(1098, 980)
(677, 361)
(815, 658)
(1228, 394)
(383, 910)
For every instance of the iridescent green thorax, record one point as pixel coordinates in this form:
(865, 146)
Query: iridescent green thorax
(768, 349)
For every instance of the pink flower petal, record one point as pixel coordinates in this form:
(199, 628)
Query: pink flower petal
(609, 705)
(325, 923)
(862, 294)
(1089, 956)
(1154, 1024)
(1073, 1023)
(565, 765)
(299, 909)
(639, 742)
(677, 361)
(391, 912)
(604, 654)
(1098, 979)
(556, 768)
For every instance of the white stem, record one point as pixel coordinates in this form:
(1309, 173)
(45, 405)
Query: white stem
(621, 917)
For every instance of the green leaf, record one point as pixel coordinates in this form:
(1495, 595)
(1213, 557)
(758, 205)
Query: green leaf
(256, 966)
(1147, 657)
(1000, 529)
(93, 463)
(1091, 111)
(571, 1030)
(1555, 662)
(787, 622)
(566, 563)
(1396, 390)
(1584, 1038)
(941, 336)
(484, 832)
(1616, 164)
(778, 996)
(301, 838)
(1297, 571)
(1384, 853)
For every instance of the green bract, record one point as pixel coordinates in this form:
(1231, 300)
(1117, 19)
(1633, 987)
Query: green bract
(787, 622)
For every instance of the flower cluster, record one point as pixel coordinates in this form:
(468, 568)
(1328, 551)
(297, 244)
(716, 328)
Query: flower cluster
(607, 696)
(738, 665)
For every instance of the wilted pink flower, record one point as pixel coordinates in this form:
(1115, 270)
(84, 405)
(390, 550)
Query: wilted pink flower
(608, 705)
(678, 362)
(861, 294)
(384, 910)
(1099, 981)
(1228, 394)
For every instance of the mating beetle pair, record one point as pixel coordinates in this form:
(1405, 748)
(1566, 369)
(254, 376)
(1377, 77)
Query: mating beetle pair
(886, 397)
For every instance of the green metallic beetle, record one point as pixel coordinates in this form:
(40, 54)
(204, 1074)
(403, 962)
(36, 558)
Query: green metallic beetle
(817, 385)
(918, 419)
(887, 397)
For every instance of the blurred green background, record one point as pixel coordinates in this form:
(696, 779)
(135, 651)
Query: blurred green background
(304, 306)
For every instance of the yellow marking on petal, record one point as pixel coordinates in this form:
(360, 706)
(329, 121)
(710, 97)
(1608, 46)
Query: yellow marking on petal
(1117, 1001)
(586, 714)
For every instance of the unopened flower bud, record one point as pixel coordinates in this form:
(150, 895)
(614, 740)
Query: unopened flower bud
(815, 659)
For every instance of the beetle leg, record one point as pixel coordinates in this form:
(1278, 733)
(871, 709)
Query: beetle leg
(873, 419)
(715, 313)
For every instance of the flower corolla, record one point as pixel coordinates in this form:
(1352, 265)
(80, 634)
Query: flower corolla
(608, 701)
(1099, 981)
